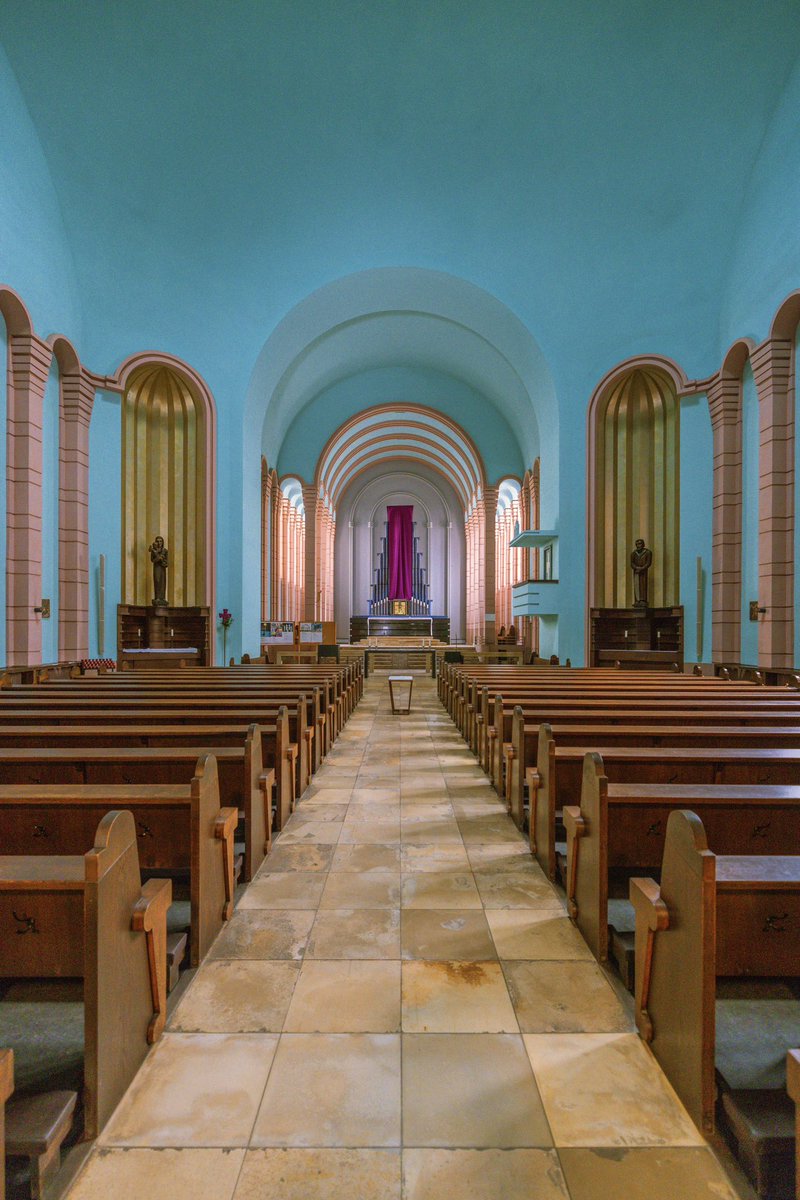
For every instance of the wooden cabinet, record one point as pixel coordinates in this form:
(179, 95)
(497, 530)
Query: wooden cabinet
(163, 637)
(644, 638)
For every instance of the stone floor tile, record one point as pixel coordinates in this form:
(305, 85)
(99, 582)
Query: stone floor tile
(332, 1089)
(355, 933)
(317, 810)
(605, 1089)
(301, 889)
(440, 889)
(329, 1174)
(442, 830)
(369, 857)
(535, 933)
(314, 832)
(439, 935)
(195, 1089)
(288, 857)
(486, 1174)
(236, 997)
(456, 997)
(159, 1174)
(375, 796)
(345, 997)
(564, 997)
(365, 832)
(373, 889)
(263, 933)
(469, 1090)
(669, 1173)
(434, 857)
(522, 888)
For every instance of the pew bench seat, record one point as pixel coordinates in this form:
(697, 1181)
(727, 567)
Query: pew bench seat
(36, 1127)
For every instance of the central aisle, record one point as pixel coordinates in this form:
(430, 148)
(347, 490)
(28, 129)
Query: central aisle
(400, 1007)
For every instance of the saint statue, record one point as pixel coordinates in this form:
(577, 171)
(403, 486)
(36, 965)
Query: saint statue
(159, 559)
(641, 561)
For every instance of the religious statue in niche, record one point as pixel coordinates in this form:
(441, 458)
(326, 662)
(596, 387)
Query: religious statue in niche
(641, 562)
(160, 560)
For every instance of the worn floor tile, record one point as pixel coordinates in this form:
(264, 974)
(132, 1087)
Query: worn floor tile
(522, 888)
(300, 889)
(373, 889)
(264, 933)
(442, 935)
(287, 857)
(564, 997)
(670, 1173)
(329, 1174)
(470, 1091)
(440, 889)
(485, 1174)
(535, 933)
(370, 857)
(456, 997)
(332, 1090)
(434, 857)
(345, 997)
(355, 933)
(371, 832)
(236, 997)
(159, 1174)
(195, 1089)
(605, 1089)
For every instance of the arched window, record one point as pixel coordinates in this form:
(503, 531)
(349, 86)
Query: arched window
(291, 551)
(634, 464)
(508, 561)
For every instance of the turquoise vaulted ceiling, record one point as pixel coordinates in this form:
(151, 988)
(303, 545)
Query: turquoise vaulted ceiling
(584, 162)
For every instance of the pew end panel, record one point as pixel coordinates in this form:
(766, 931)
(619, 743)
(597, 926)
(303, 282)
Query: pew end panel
(545, 821)
(517, 767)
(211, 876)
(793, 1088)
(682, 980)
(587, 857)
(124, 989)
(258, 804)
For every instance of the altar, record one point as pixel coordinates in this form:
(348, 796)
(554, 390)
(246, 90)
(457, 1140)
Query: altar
(436, 627)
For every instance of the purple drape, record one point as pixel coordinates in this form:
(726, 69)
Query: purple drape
(401, 545)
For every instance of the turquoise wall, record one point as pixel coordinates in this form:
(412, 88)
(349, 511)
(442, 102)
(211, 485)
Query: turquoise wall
(749, 642)
(50, 434)
(105, 508)
(179, 177)
(696, 487)
(797, 507)
(313, 426)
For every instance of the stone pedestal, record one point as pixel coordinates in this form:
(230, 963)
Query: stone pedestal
(157, 618)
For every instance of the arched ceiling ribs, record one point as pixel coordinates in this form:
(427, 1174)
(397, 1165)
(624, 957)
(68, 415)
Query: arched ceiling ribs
(400, 431)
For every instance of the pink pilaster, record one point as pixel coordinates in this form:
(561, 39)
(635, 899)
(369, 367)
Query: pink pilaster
(724, 402)
(30, 359)
(310, 573)
(773, 372)
(489, 565)
(77, 399)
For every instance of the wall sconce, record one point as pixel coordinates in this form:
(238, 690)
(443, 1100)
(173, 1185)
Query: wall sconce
(44, 610)
(755, 610)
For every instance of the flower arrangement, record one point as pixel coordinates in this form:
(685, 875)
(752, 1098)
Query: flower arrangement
(225, 620)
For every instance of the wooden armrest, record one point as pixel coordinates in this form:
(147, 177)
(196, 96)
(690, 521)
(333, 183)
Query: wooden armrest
(576, 828)
(266, 782)
(291, 751)
(491, 732)
(652, 915)
(225, 829)
(150, 918)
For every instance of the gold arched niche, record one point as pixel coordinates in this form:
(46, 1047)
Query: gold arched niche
(636, 486)
(166, 485)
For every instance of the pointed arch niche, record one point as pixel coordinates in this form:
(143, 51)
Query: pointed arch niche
(634, 473)
(168, 479)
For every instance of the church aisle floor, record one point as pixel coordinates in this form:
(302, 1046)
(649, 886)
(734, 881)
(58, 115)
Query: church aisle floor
(400, 1008)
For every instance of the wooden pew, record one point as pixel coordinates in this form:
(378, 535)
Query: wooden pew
(67, 708)
(180, 827)
(6, 1088)
(719, 917)
(112, 754)
(619, 830)
(644, 727)
(90, 917)
(559, 776)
